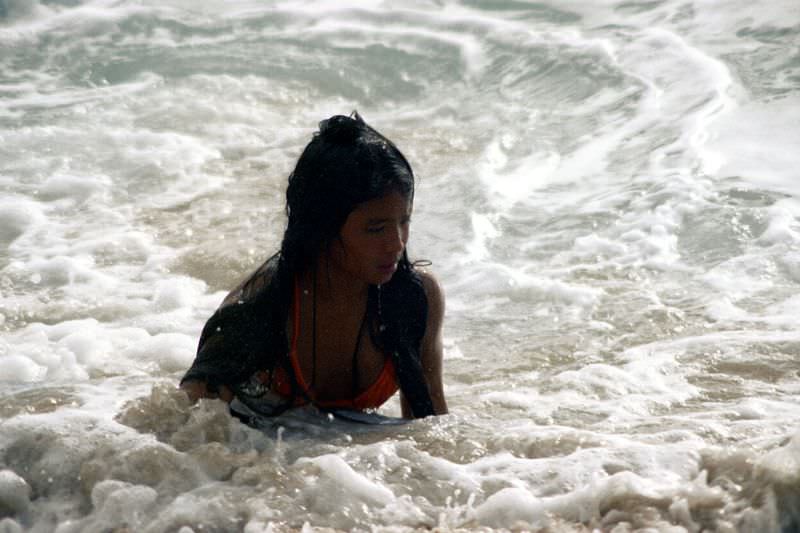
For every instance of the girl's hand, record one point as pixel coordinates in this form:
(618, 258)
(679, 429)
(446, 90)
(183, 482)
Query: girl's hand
(196, 389)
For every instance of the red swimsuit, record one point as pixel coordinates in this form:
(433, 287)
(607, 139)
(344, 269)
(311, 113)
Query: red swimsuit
(372, 397)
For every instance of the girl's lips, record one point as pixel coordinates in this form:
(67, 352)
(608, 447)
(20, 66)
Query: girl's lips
(388, 268)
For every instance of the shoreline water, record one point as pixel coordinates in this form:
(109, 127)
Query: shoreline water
(606, 191)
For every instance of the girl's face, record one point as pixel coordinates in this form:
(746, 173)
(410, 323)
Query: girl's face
(372, 239)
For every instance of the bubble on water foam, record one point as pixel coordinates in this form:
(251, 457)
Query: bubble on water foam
(219, 462)
(778, 474)
(790, 264)
(87, 346)
(151, 464)
(7, 525)
(510, 506)
(63, 270)
(177, 293)
(77, 188)
(168, 352)
(524, 398)
(15, 494)
(116, 502)
(782, 226)
(166, 414)
(206, 509)
(482, 282)
(17, 216)
(623, 499)
(782, 465)
(18, 368)
(764, 153)
(35, 357)
(593, 245)
(334, 475)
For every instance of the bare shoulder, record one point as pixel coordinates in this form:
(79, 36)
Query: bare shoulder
(433, 290)
(432, 349)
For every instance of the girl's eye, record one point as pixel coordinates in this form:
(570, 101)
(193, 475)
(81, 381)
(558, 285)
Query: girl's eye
(375, 229)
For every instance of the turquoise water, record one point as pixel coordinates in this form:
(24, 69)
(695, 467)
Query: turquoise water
(608, 194)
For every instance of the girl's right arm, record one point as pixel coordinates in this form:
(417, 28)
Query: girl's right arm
(197, 389)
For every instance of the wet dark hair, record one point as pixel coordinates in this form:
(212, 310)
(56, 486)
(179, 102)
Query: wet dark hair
(346, 164)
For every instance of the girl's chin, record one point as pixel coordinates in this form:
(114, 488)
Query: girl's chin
(385, 273)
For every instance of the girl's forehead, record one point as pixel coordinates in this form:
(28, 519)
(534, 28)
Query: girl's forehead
(392, 202)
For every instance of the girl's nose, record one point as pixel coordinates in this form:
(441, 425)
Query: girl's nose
(395, 239)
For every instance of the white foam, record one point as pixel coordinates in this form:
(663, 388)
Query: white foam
(505, 283)
(179, 293)
(61, 97)
(18, 216)
(21, 10)
(509, 506)
(557, 204)
(8, 525)
(18, 368)
(484, 232)
(739, 278)
(783, 227)
(594, 245)
(74, 350)
(166, 352)
(511, 182)
(78, 188)
(15, 494)
(782, 465)
(35, 18)
(63, 270)
(523, 398)
(762, 154)
(334, 473)
(591, 491)
(647, 383)
(117, 502)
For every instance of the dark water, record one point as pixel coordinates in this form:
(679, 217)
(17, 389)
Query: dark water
(608, 194)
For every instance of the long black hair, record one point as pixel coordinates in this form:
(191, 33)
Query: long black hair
(346, 163)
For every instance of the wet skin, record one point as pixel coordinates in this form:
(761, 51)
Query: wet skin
(369, 246)
(370, 243)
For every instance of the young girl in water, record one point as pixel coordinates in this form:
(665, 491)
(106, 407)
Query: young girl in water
(338, 317)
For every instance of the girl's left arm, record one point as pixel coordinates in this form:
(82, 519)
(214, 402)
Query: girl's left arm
(432, 350)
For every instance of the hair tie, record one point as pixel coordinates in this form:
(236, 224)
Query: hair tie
(342, 129)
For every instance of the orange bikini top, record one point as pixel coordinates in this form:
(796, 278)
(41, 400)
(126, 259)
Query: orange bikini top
(373, 397)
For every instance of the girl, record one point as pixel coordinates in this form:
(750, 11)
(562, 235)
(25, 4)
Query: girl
(338, 317)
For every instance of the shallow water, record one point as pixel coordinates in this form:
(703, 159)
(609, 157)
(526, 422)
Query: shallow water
(607, 191)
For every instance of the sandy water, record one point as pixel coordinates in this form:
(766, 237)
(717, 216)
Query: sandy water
(608, 192)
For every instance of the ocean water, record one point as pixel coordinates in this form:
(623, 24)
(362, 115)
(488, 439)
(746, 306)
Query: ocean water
(608, 192)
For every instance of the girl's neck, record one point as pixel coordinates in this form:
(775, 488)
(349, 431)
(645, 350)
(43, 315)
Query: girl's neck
(333, 284)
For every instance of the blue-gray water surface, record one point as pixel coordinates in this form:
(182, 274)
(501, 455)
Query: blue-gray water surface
(607, 190)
